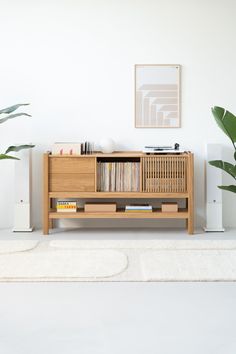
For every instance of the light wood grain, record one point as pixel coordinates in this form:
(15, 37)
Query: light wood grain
(191, 194)
(95, 175)
(125, 195)
(141, 175)
(120, 215)
(72, 165)
(113, 154)
(72, 182)
(45, 195)
(164, 174)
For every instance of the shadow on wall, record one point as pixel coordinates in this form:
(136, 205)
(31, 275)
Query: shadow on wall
(229, 198)
(37, 186)
(199, 193)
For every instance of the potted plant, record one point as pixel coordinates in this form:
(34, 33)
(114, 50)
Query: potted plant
(7, 114)
(227, 122)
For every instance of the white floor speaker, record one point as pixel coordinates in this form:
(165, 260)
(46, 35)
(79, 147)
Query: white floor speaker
(214, 221)
(22, 209)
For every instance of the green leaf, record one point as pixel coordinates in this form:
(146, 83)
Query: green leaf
(230, 188)
(218, 113)
(12, 108)
(226, 121)
(13, 116)
(18, 148)
(8, 157)
(235, 155)
(225, 166)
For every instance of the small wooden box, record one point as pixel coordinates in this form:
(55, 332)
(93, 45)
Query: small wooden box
(169, 207)
(99, 207)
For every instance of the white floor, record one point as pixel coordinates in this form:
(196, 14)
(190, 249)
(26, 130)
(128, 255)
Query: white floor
(112, 318)
(117, 234)
(127, 318)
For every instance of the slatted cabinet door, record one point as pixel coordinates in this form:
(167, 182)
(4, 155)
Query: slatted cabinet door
(164, 174)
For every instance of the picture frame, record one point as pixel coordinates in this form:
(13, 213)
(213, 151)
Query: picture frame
(157, 96)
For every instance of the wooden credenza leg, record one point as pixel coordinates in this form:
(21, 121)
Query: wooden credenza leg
(50, 220)
(46, 200)
(190, 226)
(45, 225)
(190, 201)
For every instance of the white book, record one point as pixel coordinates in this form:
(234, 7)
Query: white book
(138, 207)
(63, 148)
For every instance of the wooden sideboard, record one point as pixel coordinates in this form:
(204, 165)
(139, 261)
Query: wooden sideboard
(161, 177)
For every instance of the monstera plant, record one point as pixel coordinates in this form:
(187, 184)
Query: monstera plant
(227, 122)
(6, 114)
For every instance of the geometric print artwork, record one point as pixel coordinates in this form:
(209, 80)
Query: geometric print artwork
(157, 96)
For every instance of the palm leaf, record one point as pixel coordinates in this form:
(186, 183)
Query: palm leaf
(11, 116)
(8, 157)
(12, 108)
(225, 166)
(17, 148)
(218, 113)
(226, 121)
(230, 188)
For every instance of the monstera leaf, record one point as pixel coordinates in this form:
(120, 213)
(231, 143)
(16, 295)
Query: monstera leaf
(8, 157)
(227, 122)
(17, 148)
(12, 108)
(231, 188)
(7, 115)
(11, 116)
(225, 166)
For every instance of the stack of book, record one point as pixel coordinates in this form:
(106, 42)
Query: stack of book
(87, 148)
(66, 206)
(136, 208)
(118, 176)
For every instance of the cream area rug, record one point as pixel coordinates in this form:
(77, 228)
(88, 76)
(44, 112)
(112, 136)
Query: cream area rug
(17, 246)
(123, 260)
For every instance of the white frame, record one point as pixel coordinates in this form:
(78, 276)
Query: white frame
(166, 66)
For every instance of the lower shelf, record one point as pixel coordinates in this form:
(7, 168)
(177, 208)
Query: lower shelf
(182, 214)
(123, 195)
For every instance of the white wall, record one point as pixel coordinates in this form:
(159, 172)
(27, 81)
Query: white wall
(74, 62)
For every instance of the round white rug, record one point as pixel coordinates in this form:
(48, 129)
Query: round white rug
(189, 265)
(145, 244)
(118, 260)
(12, 246)
(60, 264)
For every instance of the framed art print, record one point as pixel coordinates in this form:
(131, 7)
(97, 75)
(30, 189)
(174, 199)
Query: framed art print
(157, 96)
